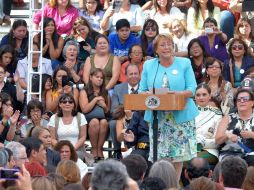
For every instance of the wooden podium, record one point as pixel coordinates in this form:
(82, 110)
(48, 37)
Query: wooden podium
(167, 102)
(155, 102)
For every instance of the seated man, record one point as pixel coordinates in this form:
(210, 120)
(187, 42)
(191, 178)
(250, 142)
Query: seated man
(129, 87)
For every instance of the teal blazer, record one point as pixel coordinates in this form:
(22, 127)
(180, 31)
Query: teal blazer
(181, 77)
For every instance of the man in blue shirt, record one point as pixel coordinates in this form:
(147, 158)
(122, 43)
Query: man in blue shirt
(121, 41)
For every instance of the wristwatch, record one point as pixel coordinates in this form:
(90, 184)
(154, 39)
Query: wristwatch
(18, 132)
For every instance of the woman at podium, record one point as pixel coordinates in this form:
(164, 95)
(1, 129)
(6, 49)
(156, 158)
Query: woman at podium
(176, 129)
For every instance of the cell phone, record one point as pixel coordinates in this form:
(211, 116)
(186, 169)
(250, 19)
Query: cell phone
(49, 113)
(8, 174)
(65, 80)
(208, 30)
(117, 5)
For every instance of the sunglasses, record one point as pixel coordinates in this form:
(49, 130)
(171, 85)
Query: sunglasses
(239, 47)
(67, 101)
(214, 66)
(243, 99)
(150, 28)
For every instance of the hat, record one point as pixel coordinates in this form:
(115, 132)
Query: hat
(3, 157)
(248, 83)
(122, 23)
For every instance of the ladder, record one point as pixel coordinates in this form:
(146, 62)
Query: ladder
(31, 52)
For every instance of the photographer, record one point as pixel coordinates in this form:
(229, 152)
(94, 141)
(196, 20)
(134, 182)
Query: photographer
(235, 133)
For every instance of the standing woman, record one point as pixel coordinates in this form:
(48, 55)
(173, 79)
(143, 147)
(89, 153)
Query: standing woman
(93, 13)
(239, 62)
(52, 42)
(17, 38)
(63, 12)
(176, 129)
(149, 32)
(104, 60)
(197, 55)
(95, 103)
(68, 124)
(198, 12)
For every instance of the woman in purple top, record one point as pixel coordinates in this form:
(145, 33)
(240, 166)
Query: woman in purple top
(62, 12)
(214, 40)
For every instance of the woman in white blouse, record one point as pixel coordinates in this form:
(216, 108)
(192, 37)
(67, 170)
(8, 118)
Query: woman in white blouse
(206, 124)
(68, 124)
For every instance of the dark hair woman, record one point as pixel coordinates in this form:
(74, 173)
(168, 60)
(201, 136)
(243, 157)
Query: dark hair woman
(8, 60)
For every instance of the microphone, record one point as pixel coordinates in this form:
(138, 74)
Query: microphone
(156, 75)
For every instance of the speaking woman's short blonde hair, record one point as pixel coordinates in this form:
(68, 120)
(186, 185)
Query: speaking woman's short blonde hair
(159, 37)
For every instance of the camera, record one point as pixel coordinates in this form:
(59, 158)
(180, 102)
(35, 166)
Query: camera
(8, 174)
(208, 30)
(66, 80)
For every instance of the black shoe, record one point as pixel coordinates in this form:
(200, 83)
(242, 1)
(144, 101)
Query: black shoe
(118, 155)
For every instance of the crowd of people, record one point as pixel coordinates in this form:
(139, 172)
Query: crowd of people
(201, 50)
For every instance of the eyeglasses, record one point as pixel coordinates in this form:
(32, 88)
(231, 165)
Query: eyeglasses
(67, 101)
(150, 28)
(166, 45)
(35, 111)
(214, 67)
(239, 47)
(243, 99)
(137, 52)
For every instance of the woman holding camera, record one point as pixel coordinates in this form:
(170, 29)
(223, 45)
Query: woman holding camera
(61, 86)
(235, 133)
(214, 40)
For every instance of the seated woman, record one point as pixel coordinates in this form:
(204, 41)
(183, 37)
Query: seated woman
(95, 103)
(68, 124)
(52, 157)
(206, 124)
(8, 61)
(93, 13)
(198, 12)
(104, 60)
(235, 131)
(235, 68)
(149, 32)
(52, 42)
(60, 87)
(135, 55)
(34, 118)
(8, 117)
(17, 38)
(197, 55)
(214, 40)
(221, 90)
(85, 36)
(67, 152)
(244, 31)
(181, 36)
(22, 67)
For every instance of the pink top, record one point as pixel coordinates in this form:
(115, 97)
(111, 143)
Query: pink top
(63, 23)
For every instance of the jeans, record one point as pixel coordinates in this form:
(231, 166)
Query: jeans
(227, 23)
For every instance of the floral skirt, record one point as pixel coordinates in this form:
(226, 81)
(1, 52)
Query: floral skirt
(175, 141)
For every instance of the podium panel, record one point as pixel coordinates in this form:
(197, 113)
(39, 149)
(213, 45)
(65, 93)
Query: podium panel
(161, 102)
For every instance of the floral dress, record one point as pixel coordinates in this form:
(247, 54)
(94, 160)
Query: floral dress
(171, 136)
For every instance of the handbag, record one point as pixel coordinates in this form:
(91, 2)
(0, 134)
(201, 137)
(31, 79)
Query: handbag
(97, 112)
